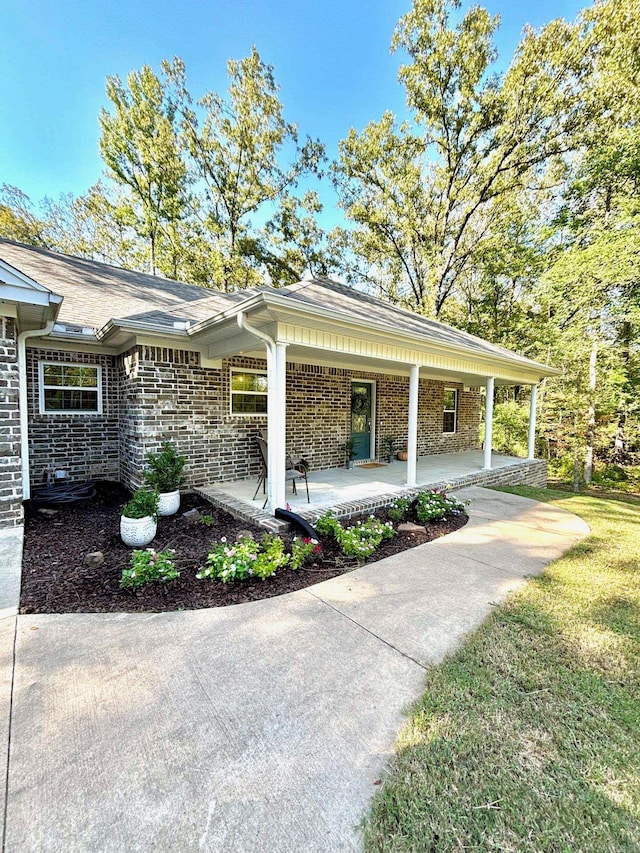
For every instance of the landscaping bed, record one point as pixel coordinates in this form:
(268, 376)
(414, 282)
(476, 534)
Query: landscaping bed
(57, 579)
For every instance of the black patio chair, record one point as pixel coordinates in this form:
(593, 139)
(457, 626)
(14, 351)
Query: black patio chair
(291, 473)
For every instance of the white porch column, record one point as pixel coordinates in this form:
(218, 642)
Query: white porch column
(412, 427)
(277, 404)
(488, 423)
(532, 422)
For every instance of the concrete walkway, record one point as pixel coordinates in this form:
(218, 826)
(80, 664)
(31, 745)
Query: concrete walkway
(258, 727)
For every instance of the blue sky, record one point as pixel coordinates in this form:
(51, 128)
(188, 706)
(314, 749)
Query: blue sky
(331, 59)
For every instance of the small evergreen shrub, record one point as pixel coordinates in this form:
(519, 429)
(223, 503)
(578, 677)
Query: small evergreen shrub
(143, 503)
(164, 469)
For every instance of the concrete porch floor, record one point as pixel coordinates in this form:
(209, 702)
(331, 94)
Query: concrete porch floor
(348, 491)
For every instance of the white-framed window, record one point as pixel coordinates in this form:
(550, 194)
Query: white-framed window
(248, 395)
(74, 389)
(450, 410)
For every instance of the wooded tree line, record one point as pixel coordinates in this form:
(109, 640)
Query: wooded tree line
(507, 204)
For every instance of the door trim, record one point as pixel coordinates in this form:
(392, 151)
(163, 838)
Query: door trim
(372, 440)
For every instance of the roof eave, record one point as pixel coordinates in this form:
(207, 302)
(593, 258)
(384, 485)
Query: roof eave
(274, 299)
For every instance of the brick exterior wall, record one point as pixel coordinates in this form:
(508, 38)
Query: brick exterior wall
(10, 459)
(155, 393)
(83, 445)
(166, 394)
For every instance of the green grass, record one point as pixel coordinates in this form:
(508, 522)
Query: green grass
(528, 739)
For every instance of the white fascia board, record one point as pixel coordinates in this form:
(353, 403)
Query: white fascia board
(113, 326)
(423, 341)
(22, 294)
(12, 275)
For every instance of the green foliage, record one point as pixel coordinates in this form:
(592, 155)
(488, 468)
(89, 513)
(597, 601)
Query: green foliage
(389, 444)
(348, 448)
(244, 559)
(399, 509)
(164, 469)
(207, 520)
(142, 151)
(360, 540)
(149, 566)
(144, 502)
(511, 428)
(434, 506)
(303, 551)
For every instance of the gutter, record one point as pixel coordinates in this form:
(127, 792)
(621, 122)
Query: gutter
(23, 401)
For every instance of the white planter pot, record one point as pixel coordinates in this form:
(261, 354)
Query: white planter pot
(169, 502)
(137, 532)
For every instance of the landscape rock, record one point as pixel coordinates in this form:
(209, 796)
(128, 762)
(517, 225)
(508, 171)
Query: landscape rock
(410, 527)
(94, 559)
(44, 510)
(192, 515)
(244, 534)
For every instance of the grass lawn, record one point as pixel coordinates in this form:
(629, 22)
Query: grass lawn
(528, 739)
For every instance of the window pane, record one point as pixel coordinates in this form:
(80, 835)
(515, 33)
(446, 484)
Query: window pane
(449, 400)
(70, 374)
(249, 382)
(53, 374)
(449, 422)
(70, 400)
(248, 404)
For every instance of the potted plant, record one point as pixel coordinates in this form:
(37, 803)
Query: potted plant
(164, 475)
(349, 450)
(389, 447)
(139, 518)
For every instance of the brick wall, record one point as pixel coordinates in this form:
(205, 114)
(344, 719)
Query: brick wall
(151, 394)
(83, 445)
(166, 394)
(10, 461)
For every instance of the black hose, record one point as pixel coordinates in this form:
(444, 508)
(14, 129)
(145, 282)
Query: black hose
(287, 515)
(66, 493)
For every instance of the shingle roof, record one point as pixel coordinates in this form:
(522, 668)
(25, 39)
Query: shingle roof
(348, 302)
(95, 292)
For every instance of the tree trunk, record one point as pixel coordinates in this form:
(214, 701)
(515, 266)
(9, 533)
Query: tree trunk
(591, 423)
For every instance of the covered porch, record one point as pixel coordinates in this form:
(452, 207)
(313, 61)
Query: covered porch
(372, 485)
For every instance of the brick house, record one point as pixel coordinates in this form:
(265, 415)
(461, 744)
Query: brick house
(100, 364)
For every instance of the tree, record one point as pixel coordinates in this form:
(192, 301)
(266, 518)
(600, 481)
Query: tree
(426, 195)
(141, 149)
(237, 148)
(17, 219)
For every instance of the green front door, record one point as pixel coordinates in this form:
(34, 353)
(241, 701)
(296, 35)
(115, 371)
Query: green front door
(361, 408)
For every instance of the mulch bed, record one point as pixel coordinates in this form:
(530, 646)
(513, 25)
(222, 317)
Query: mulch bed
(56, 579)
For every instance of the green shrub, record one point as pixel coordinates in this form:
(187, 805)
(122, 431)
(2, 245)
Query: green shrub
(399, 509)
(359, 541)
(244, 559)
(303, 551)
(434, 506)
(143, 503)
(164, 471)
(149, 566)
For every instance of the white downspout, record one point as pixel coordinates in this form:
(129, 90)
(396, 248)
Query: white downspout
(24, 402)
(276, 404)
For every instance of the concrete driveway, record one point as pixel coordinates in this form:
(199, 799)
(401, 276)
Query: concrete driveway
(257, 727)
